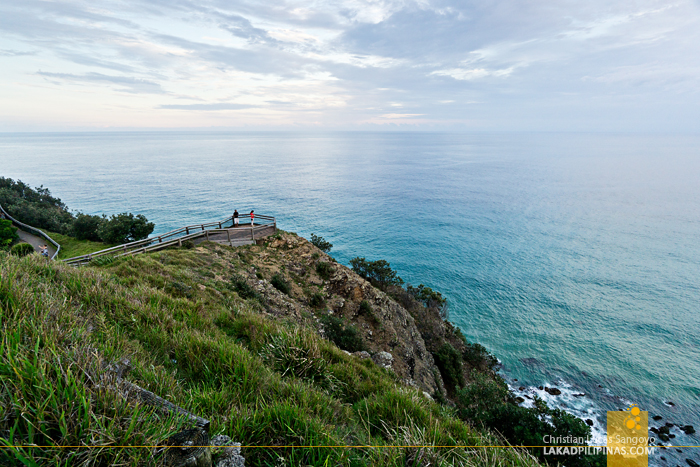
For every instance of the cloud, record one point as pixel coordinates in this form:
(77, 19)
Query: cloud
(125, 83)
(219, 106)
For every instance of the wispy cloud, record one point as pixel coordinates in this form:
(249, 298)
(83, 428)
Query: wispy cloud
(352, 61)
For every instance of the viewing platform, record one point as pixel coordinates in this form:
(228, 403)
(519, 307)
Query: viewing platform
(223, 232)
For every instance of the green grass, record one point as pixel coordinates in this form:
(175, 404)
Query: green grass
(71, 247)
(193, 339)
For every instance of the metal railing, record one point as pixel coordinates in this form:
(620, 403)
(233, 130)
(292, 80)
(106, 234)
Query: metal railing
(33, 230)
(178, 236)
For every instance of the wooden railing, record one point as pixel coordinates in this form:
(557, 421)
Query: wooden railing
(33, 230)
(178, 236)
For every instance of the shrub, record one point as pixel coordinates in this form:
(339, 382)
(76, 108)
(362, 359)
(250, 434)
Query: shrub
(378, 272)
(280, 284)
(365, 308)
(317, 300)
(430, 298)
(103, 260)
(8, 233)
(321, 243)
(449, 362)
(85, 227)
(243, 289)
(478, 357)
(35, 207)
(345, 337)
(125, 228)
(488, 402)
(22, 249)
(324, 270)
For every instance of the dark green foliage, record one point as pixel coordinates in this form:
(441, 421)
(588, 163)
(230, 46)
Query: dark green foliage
(365, 308)
(488, 402)
(430, 298)
(324, 270)
(449, 362)
(321, 243)
(8, 233)
(35, 207)
(103, 260)
(345, 337)
(243, 289)
(317, 300)
(188, 244)
(86, 227)
(22, 249)
(379, 272)
(125, 228)
(280, 284)
(478, 357)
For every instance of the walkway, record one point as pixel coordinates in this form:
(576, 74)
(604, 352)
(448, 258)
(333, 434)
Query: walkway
(36, 242)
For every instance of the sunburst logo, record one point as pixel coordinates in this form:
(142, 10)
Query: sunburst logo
(633, 418)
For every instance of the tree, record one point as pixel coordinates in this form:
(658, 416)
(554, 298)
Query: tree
(8, 234)
(321, 243)
(125, 228)
(86, 227)
(377, 272)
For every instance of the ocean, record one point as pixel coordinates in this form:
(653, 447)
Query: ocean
(574, 258)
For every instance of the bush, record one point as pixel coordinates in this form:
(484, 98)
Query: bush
(321, 243)
(22, 249)
(125, 228)
(280, 284)
(35, 207)
(324, 270)
(365, 308)
(317, 300)
(488, 402)
(430, 298)
(8, 233)
(478, 357)
(379, 272)
(243, 289)
(86, 227)
(449, 362)
(345, 337)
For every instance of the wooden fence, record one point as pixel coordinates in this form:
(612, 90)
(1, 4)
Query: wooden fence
(218, 232)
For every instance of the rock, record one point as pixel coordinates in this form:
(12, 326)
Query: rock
(580, 394)
(519, 400)
(362, 354)
(589, 422)
(540, 388)
(670, 403)
(383, 359)
(653, 429)
(663, 437)
(671, 435)
(231, 454)
(662, 458)
(663, 430)
(515, 379)
(669, 424)
(521, 388)
(692, 463)
(688, 429)
(553, 391)
(657, 417)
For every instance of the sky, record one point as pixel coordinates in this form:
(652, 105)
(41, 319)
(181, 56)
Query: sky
(503, 65)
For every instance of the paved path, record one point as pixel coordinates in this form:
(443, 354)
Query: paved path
(35, 241)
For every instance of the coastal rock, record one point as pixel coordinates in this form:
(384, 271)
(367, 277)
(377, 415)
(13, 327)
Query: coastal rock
(363, 354)
(230, 452)
(519, 400)
(692, 463)
(688, 429)
(383, 359)
(657, 417)
(589, 422)
(553, 391)
(664, 430)
(664, 437)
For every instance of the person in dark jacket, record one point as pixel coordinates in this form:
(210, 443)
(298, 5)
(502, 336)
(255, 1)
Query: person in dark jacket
(235, 217)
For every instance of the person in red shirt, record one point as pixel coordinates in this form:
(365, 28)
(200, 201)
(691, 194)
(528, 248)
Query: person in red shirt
(252, 217)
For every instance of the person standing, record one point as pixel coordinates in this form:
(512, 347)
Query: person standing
(44, 251)
(235, 217)
(252, 218)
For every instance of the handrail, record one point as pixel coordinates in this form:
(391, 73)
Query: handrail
(33, 229)
(166, 239)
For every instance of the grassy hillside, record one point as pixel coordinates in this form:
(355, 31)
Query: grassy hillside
(71, 246)
(199, 336)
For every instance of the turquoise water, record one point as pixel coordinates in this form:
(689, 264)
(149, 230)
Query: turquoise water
(575, 258)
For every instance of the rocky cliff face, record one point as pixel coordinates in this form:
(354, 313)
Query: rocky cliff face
(391, 336)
